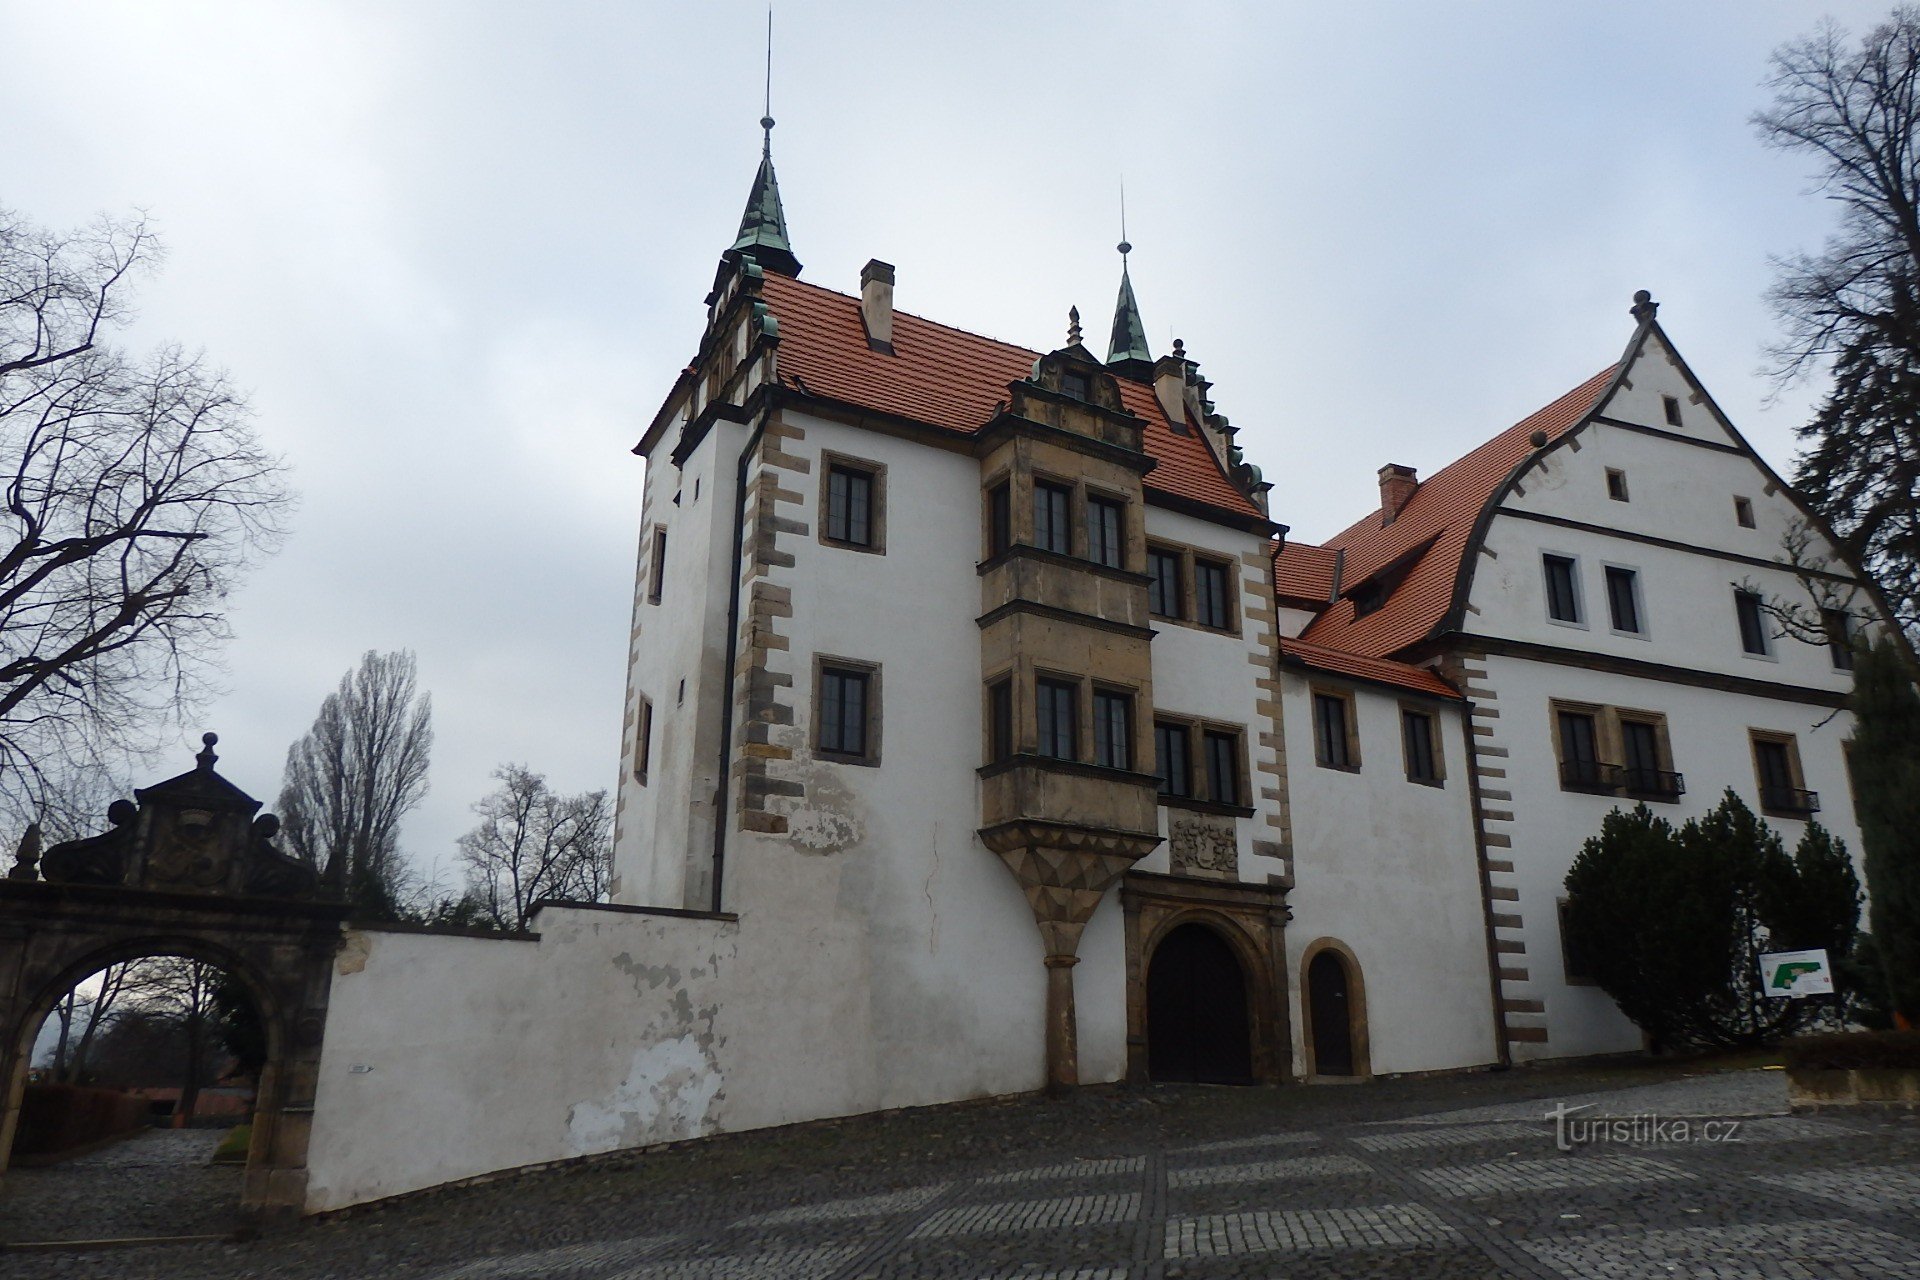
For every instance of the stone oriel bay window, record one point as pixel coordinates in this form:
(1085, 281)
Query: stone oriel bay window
(846, 710)
(1058, 515)
(853, 503)
(1061, 716)
(1336, 729)
(1201, 764)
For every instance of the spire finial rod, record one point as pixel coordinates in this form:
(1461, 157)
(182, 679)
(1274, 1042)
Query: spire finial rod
(1124, 247)
(766, 108)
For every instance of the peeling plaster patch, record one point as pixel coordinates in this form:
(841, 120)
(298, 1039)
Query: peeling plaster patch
(669, 1090)
(832, 824)
(650, 976)
(355, 948)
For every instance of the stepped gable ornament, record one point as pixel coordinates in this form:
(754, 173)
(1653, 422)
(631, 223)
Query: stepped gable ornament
(195, 833)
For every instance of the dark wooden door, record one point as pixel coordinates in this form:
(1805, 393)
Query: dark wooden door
(1332, 1017)
(1197, 1029)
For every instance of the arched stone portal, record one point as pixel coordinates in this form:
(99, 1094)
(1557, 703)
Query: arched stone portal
(188, 871)
(1241, 935)
(1199, 1028)
(1334, 1009)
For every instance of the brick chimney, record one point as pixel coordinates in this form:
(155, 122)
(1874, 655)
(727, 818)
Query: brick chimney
(876, 304)
(1397, 485)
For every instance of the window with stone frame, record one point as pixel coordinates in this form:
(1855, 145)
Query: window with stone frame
(1057, 711)
(1563, 588)
(1053, 517)
(1106, 531)
(1164, 587)
(1420, 746)
(657, 566)
(1172, 758)
(847, 711)
(1623, 600)
(1213, 594)
(999, 518)
(643, 741)
(1336, 741)
(853, 503)
(1776, 767)
(1220, 749)
(1838, 626)
(1748, 608)
(1112, 728)
(1000, 741)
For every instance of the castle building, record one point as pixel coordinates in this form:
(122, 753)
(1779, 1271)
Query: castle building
(986, 732)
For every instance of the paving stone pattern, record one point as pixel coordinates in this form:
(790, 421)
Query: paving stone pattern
(1399, 1179)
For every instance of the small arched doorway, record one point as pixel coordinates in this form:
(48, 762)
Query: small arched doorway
(1330, 1013)
(1198, 1030)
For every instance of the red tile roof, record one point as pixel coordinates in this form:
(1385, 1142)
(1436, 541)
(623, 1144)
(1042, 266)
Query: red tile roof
(953, 379)
(1338, 662)
(1442, 511)
(1303, 574)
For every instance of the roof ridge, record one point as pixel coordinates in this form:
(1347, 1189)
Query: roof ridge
(915, 315)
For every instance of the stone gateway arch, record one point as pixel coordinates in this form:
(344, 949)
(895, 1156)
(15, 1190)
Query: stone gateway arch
(186, 869)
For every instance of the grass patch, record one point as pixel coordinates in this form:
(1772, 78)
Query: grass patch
(233, 1147)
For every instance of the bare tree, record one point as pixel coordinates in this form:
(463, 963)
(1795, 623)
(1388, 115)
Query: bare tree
(83, 1013)
(355, 774)
(533, 843)
(136, 494)
(1855, 110)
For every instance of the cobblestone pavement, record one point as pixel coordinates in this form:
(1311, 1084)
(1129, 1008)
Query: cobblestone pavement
(1432, 1179)
(156, 1183)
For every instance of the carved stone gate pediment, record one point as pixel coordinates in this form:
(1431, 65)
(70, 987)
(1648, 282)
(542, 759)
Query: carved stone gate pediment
(189, 870)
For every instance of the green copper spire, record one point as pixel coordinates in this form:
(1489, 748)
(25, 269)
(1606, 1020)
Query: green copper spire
(763, 228)
(1129, 341)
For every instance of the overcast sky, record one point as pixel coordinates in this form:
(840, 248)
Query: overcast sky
(456, 253)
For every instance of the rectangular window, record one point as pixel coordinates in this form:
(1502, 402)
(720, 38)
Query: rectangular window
(657, 570)
(1052, 521)
(1000, 721)
(845, 728)
(1163, 583)
(1170, 759)
(1838, 624)
(1580, 765)
(1112, 729)
(1332, 740)
(1416, 735)
(1616, 484)
(1106, 544)
(999, 518)
(1743, 512)
(1563, 588)
(1753, 623)
(1672, 407)
(1776, 764)
(1645, 775)
(849, 506)
(1623, 599)
(1074, 385)
(1222, 750)
(643, 742)
(1213, 606)
(1057, 703)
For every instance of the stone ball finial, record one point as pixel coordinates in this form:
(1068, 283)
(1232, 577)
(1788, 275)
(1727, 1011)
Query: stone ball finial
(207, 758)
(1179, 349)
(1538, 439)
(266, 826)
(1644, 308)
